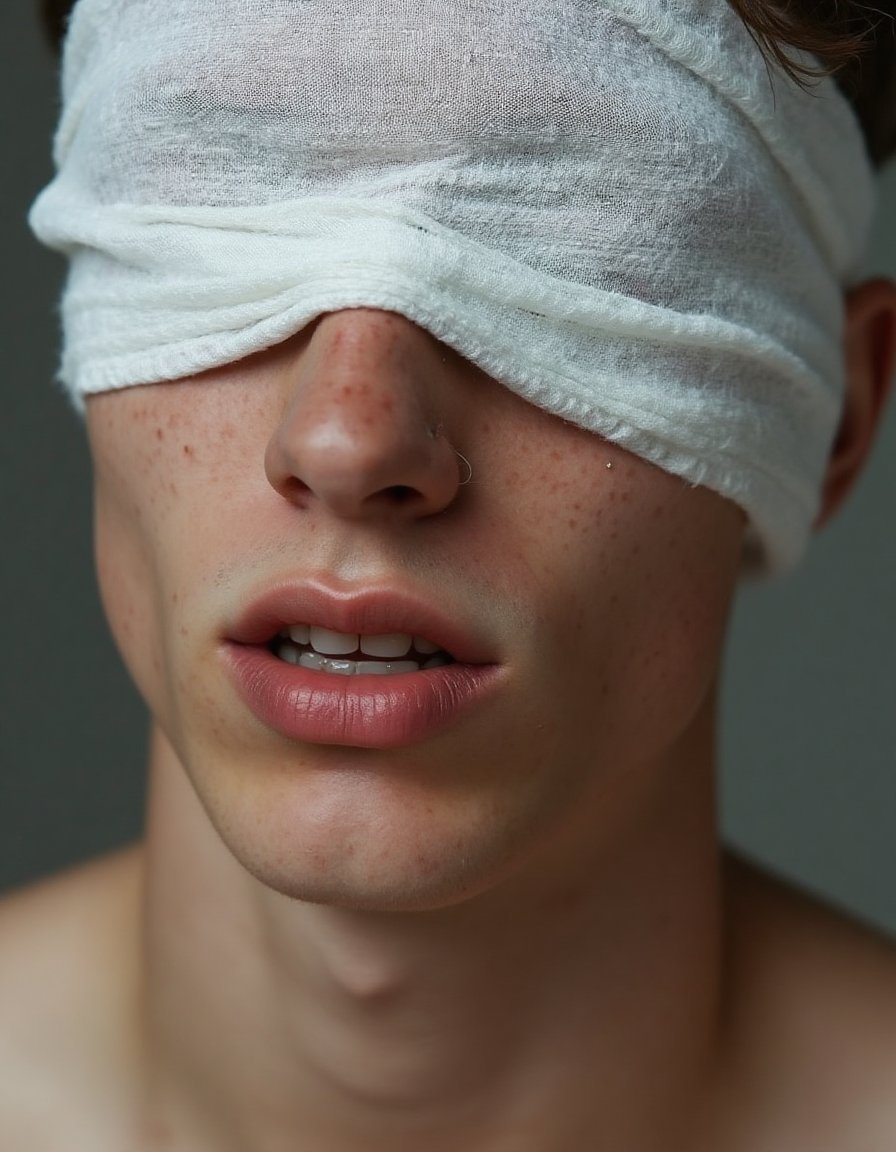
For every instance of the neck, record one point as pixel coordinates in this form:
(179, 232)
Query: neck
(542, 1013)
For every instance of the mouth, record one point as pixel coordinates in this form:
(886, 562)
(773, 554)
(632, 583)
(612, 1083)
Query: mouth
(375, 668)
(353, 654)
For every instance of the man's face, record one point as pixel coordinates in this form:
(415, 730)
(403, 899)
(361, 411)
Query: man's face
(582, 592)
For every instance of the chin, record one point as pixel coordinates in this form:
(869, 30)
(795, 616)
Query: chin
(393, 892)
(367, 881)
(363, 840)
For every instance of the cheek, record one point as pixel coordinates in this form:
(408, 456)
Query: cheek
(129, 503)
(632, 572)
(142, 513)
(171, 463)
(660, 569)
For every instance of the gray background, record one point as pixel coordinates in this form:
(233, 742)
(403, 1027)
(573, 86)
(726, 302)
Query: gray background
(809, 732)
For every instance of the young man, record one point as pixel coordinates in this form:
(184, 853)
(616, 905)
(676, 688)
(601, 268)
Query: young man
(431, 857)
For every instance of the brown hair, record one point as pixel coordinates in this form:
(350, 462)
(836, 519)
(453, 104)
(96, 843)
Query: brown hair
(852, 40)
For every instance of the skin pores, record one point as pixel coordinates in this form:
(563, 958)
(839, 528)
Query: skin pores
(598, 586)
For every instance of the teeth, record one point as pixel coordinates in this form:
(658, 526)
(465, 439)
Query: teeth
(382, 668)
(326, 642)
(320, 663)
(333, 643)
(313, 647)
(289, 653)
(395, 644)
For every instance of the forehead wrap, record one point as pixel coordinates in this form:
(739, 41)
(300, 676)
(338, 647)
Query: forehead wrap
(613, 207)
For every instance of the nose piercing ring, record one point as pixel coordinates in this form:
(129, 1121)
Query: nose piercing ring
(469, 475)
(434, 431)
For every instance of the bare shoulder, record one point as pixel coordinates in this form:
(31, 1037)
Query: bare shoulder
(813, 1018)
(68, 948)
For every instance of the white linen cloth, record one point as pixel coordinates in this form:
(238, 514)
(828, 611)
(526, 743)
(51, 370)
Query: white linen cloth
(616, 208)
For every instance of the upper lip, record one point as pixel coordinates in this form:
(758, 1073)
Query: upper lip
(369, 611)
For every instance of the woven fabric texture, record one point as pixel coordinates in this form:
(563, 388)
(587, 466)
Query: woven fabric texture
(617, 209)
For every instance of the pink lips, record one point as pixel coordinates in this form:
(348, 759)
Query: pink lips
(361, 711)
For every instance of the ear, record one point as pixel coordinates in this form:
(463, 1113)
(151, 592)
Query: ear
(870, 360)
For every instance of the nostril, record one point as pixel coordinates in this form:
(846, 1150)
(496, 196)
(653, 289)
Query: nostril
(394, 469)
(296, 491)
(401, 493)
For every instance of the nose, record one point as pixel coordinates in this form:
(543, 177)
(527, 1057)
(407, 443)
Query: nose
(361, 433)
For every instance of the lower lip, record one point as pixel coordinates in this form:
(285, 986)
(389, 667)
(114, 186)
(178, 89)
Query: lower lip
(357, 711)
